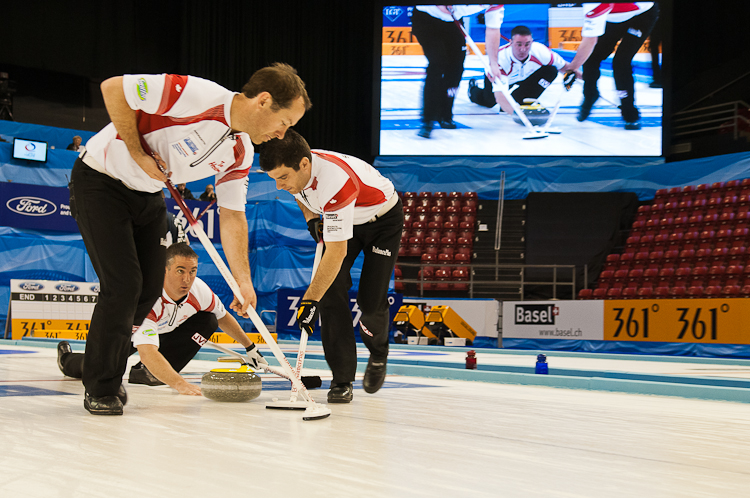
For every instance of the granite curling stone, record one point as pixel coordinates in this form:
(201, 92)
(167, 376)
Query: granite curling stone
(231, 384)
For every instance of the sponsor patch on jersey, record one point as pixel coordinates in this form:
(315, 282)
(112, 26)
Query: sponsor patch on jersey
(199, 339)
(149, 332)
(142, 88)
(332, 223)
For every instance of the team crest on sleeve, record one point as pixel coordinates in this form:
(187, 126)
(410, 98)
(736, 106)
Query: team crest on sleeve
(142, 88)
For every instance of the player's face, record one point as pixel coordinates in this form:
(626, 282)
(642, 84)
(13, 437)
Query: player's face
(179, 277)
(270, 124)
(521, 46)
(293, 181)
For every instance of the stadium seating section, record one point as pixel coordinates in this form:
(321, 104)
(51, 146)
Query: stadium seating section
(691, 242)
(438, 232)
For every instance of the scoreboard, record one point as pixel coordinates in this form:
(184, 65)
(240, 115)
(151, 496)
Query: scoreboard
(58, 309)
(55, 309)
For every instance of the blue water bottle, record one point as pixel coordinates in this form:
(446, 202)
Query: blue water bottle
(541, 365)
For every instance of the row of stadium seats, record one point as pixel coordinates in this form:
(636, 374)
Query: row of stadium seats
(438, 232)
(690, 242)
(438, 278)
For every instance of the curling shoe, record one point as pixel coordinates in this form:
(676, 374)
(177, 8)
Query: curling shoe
(374, 375)
(425, 130)
(63, 347)
(139, 374)
(102, 405)
(341, 393)
(585, 110)
(123, 395)
(448, 124)
(633, 125)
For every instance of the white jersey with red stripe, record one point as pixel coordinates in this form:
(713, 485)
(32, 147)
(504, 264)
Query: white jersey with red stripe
(167, 315)
(493, 13)
(597, 15)
(516, 70)
(187, 121)
(346, 191)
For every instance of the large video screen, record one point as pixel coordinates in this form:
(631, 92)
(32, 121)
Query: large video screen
(568, 79)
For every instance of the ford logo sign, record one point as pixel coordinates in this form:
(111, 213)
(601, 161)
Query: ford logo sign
(66, 287)
(95, 288)
(31, 286)
(31, 206)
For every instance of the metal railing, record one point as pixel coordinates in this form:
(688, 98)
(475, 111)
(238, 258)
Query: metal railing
(720, 117)
(476, 284)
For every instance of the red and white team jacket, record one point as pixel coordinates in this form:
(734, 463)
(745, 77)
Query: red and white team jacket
(166, 315)
(493, 13)
(346, 191)
(597, 15)
(539, 55)
(187, 121)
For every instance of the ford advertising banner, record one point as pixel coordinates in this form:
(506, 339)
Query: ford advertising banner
(38, 207)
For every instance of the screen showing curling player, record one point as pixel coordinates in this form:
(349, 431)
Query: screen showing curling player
(567, 79)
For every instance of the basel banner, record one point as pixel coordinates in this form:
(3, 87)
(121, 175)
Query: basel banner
(696, 321)
(38, 207)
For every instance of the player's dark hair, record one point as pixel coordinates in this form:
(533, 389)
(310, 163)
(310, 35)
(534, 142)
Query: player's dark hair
(179, 249)
(520, 30)
(282, 82)
(287, 151)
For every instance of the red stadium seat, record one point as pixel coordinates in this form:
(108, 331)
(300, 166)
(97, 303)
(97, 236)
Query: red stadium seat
(601, 293)
(629, 293)
(645, 293)
(661, 292)
(613, 293)
(695, 291)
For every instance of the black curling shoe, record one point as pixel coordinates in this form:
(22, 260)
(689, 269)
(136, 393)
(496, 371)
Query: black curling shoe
(102, 405)
(374, 375)
(341, 393)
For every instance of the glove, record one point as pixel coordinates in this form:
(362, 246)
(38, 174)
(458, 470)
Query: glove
(569, 79)
(307, 316)
(255, 359)
(315, 227)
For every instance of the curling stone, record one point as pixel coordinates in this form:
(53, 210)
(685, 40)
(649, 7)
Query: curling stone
(231, 384)
(535, 113)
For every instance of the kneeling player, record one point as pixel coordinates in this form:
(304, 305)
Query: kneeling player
(181, 321)
(529, 66)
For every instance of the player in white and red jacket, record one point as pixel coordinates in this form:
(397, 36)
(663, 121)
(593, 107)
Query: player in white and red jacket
(192, 128)
(180, 322)
(362, 213)
(529, 66)
(606, 24)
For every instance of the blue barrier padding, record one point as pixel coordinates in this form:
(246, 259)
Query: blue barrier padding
(644, 348)
(523, 175)
(59, 138)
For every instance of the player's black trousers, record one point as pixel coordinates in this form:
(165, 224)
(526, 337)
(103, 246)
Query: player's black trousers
(178, 347)
(376, 240)
(631, 34)
(122, 230)
(445, 48)
(530, 88)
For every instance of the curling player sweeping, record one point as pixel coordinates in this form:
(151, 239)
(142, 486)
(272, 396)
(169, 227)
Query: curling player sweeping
(361, 213)
(181, 321)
